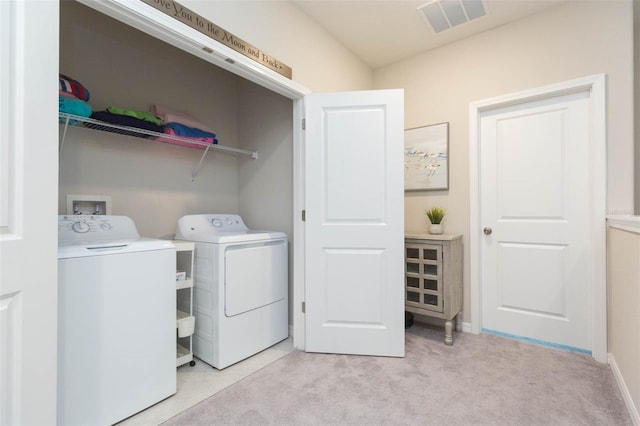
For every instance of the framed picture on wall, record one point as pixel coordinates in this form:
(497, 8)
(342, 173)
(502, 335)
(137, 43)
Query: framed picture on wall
(426, 158)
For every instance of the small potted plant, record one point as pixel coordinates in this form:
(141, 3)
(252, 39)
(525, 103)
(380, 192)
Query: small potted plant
(435, 215)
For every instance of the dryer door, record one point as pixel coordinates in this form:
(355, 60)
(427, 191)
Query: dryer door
(255, 276)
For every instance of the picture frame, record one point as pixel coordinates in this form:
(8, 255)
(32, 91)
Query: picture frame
(426, 158)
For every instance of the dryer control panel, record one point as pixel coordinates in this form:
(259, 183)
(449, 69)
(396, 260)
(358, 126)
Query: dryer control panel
(227, 223)
(83, 229)
(211, 223)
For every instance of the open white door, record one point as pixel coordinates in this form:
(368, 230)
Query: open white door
(354, 233)
(28, 211)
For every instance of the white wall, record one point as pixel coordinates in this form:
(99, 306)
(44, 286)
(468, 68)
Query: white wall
(636, 74)
(570, 41)
(623, 253)
(266, 185)
(283, 31)
(265, 124)
(148, 181)
(151, 182)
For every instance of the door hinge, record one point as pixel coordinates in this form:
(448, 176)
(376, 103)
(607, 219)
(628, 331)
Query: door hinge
(304, 307)
(304, 123)
(304, 215)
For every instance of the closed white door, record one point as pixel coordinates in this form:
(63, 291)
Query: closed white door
(535, 218)
(28, 211)
(354, 233)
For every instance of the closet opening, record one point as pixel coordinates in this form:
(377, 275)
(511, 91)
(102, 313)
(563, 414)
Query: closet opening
(152, 182)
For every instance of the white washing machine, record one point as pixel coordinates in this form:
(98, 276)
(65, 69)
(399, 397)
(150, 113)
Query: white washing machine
(116, 320)
(241, 287)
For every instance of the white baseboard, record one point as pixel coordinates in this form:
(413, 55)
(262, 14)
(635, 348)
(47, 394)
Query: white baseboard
(466, 327)
(633, 410)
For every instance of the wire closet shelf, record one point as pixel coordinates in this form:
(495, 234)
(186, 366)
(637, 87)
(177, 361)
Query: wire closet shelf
(90, 123)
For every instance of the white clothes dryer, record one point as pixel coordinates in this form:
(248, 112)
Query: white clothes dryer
(240, 296)
(116, 320)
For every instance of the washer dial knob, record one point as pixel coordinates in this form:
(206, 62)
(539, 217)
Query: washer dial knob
(80, 227)
(217, 223)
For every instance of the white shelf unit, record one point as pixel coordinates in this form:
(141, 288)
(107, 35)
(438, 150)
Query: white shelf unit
(77, 121)
(185, 321)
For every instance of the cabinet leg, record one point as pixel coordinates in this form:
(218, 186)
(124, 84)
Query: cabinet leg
(448, 333)
(459, 322)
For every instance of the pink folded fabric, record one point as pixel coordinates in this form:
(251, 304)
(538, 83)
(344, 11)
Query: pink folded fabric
(183, 142)
(67, 94)
(168, 115)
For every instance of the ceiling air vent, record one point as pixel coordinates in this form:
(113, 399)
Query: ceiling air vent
(445, 14)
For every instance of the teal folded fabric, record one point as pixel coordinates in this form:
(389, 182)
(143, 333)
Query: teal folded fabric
(141, 115)
(74, 107)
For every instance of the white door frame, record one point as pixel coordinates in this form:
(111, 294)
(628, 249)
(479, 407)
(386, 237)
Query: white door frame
(596, 86)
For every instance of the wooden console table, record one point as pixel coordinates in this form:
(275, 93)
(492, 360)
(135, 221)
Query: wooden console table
(433, 278)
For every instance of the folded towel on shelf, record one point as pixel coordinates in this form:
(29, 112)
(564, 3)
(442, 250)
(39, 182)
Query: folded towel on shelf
(74, 87)
(66, 94)
(168, 115)
(190, 132)
(142, 115)
(73, 106)
(185, 139)
(124, 120)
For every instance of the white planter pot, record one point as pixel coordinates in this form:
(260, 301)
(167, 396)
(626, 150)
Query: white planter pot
(435, 229)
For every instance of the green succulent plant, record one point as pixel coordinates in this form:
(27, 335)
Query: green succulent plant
(435, 214)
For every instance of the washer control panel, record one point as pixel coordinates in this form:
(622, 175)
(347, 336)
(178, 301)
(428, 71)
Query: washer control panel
(82, 229)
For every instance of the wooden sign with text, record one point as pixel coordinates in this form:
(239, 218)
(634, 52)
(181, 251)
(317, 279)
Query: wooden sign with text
(197, 22)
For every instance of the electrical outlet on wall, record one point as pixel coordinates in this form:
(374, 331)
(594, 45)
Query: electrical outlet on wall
(88, 204)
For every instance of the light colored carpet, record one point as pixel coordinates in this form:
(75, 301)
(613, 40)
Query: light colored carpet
(480, 380)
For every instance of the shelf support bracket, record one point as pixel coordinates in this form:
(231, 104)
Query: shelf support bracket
(64, 135)
(199, 166)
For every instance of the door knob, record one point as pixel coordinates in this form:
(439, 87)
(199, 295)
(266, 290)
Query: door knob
(487, 230)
